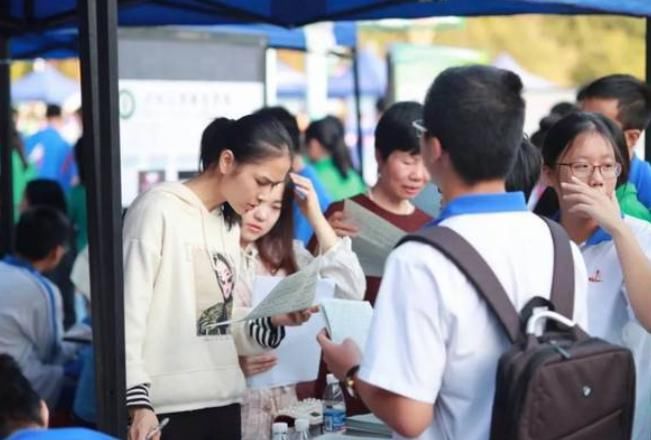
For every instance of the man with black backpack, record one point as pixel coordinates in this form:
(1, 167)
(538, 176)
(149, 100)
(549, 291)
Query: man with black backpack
(430, 364)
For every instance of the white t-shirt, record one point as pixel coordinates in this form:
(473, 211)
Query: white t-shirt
(434, 340)
(612, 318)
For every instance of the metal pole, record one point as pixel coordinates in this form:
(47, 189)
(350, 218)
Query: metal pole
(7, 194)
(98, 44)
(358, 109)
(647, 137)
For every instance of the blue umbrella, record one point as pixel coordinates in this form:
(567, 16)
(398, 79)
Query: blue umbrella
(47, 85)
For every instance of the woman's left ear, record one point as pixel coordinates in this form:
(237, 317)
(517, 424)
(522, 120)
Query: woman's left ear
(632, 136)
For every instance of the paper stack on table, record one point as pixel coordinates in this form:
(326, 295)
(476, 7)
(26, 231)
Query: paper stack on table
(376, 238)
(367, 424)
(347, 319)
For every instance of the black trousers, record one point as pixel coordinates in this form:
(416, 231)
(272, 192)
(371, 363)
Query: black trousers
(223, 423)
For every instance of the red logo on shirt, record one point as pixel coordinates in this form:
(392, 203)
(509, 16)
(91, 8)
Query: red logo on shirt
(596, 277)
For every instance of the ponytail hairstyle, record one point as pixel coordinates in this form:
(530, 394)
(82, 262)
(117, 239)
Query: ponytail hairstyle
(276, 248)
(329, 132)
(251, 139)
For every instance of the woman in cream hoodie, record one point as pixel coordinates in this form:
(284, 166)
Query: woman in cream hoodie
(181, 260)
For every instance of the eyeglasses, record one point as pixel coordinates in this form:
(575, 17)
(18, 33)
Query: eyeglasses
(420, 128)
(584, 170)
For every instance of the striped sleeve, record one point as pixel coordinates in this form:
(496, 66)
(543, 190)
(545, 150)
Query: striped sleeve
(138, 396)
(265, 333)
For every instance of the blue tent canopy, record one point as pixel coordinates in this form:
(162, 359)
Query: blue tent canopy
(64, 43)
(24, 16)
(52, 44)
(20, 17)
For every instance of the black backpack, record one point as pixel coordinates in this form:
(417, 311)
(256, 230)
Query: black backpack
(561, 385)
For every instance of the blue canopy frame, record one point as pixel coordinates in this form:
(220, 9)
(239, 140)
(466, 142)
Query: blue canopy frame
(64, 43)
(97, 21)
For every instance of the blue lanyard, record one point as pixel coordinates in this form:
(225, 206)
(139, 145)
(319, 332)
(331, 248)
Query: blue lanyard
(49, 293)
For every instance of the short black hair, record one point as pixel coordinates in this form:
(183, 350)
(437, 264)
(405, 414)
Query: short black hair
(53, 111)
(526, 169)
(477, 113)
(395, 130)
(288, 120)
(39, 231)
(46, 192)
(19, 404)
(563, 108)
(633, 96)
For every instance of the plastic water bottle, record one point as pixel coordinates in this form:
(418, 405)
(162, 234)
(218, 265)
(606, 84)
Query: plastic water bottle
(279, 431)
(334, 406)
(301, 430)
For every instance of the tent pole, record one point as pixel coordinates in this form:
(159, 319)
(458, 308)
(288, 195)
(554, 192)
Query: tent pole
(647, 137)
(98, 44)
(358, 110)
(6, 195)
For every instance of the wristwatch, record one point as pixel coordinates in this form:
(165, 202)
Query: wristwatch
(349, 381)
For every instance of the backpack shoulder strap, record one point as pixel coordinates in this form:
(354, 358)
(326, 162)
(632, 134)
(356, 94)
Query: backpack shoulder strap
(562, 295)
(475, 268)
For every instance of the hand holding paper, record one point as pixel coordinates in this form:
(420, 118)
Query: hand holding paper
(375, 240)
(346, 319)
(298, 355)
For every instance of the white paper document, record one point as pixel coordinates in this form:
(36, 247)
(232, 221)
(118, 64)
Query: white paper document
(299, 354)
(289, 294)
(347, 319)
(376, 238)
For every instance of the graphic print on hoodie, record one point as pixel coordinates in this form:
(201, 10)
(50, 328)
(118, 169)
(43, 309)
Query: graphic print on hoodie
(215, 285)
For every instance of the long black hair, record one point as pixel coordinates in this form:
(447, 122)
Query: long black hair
(276, 249)
(251, 139)
(330, 132)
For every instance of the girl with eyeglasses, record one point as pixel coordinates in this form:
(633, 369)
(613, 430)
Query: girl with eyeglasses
(582, 164)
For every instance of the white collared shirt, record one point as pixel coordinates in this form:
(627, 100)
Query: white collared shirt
(434, 340)
(611, 317)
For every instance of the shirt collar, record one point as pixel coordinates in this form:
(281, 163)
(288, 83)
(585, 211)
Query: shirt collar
(634, 169)
(18, 262)
(598, 236)
(483, 204)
